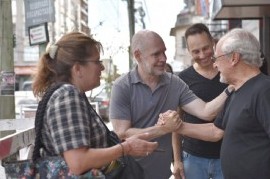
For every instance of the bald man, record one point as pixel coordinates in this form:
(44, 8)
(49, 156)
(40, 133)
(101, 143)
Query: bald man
(139, 96)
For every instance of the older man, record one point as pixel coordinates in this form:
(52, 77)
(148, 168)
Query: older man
(245, 150)
(139, 96)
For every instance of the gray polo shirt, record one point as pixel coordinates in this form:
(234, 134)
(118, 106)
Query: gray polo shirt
(133, 100)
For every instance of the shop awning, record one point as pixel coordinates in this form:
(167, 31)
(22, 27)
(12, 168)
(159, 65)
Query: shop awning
(25, 70)
(239, 9)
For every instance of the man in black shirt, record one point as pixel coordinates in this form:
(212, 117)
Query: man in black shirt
(200, 159)
(245, 150)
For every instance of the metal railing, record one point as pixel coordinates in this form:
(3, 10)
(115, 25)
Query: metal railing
(22, 136)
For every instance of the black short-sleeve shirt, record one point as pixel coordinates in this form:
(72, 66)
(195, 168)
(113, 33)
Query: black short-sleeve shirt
(245, 151)
(207, 90)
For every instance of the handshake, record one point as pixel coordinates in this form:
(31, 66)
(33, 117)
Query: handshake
(169, 121)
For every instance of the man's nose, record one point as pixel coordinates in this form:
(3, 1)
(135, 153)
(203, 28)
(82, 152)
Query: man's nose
(163, 57)
(202, 54)
(102, 67)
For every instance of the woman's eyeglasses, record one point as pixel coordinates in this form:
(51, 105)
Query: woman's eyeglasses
(99, 62)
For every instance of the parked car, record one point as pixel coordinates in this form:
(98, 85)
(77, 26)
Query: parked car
(24, 101)
(27, 86)
(101, 96)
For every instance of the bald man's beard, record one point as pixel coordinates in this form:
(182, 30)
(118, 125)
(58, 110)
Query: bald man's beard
(151, 70)
(156, 72)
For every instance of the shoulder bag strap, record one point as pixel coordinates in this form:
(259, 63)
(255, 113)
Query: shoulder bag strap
(90, 107)
(112, 137)
(39, 119)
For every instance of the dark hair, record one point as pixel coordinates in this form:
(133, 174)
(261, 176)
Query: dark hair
(170, 68)
(198, 28)
(53, 67)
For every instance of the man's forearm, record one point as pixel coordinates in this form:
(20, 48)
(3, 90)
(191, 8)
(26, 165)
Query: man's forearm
(177, 141)
(206, 111)
(213, 107)
(177, 145)
(154, 131)
(158, 130)
(206, 132)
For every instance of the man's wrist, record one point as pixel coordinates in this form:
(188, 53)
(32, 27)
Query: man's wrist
(228, 92)
(178, 161)
(164, 129)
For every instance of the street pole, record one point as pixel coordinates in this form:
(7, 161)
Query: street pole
(131, 19)
(42, 49)
(7, 104)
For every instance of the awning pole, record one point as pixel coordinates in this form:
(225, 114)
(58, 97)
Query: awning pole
(266, 40)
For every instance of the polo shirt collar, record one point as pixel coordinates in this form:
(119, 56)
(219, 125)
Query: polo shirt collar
(135, 78)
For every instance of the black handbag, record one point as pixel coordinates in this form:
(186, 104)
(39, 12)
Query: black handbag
(125, 167)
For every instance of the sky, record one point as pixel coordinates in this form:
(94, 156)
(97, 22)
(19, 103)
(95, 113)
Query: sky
(108, 20)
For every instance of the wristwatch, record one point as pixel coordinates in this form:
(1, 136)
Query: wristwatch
(228, 92)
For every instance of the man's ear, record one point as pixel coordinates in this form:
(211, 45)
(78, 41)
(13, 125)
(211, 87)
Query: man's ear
(235, 57)
(137, 55)
(188, 53)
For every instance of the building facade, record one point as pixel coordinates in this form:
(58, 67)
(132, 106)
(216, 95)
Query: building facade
(70, 15)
